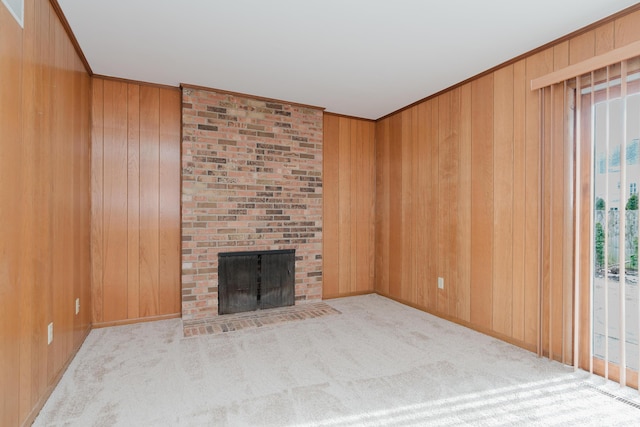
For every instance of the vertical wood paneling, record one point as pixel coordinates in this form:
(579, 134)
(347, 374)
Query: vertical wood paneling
(383, 194)
(44, 186)
(395, 205)
(503, 168)
(97, 202)
(405, 229)
(627, 29)
(133, 201)
(423, 230)
(582, 47)
(62, 200)
(473, 212)
(482, 202)
(149, 199)
(169, 199)
(463, 311)
(136, 201)
(605, 39)
(33, 375)
(40, 301)
(520, 90)
(331, 206)
(372, 173)
(344, 206)
(115, 201)
(432, 206)
(364, 168)
(416, 295)
(349, 209)
(445, 176)
(10, 161)
(353, 205)
(449, 151)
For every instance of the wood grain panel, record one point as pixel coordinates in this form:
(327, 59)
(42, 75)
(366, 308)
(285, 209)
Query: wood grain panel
(135, 192)
(365, 174)
(33, 373)
(561, 56)
(627, 29)
(582, 47)
(605, 38)
(520, 89)
(353, 206)
(149, 199)
(133, 201)
(383, 194)
(415, 229)
(449, 151)
(115, 201)
(482, 202)
(445, 180)
(44, 164)
(10, 159)
(395, 205)
(463, 310)
(331, 206)
(62, 214)
(432, 201)
(424, 252)
(40, 301)
(344, 207)
(349, 208)
(404, 227)
(503, 168)
(169, 199)
(97, 202)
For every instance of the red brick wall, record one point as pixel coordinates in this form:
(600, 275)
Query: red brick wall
(251, 180)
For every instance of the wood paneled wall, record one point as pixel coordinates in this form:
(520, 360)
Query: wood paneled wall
(349, 209)
(458, 196)
(135, 186)
(44, 213)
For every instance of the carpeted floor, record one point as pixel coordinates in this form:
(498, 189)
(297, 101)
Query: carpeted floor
(378, 363)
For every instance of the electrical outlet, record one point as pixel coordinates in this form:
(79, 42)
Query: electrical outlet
(77, 305)
(440, 282)
(50, 333)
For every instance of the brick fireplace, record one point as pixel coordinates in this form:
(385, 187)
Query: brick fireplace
(251, 181)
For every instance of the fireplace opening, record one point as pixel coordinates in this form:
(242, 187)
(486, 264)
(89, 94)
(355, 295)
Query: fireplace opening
(256, 280)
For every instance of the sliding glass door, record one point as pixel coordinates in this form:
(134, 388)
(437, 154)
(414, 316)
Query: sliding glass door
(612, 98)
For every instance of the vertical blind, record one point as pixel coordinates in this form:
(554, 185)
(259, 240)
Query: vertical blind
(590, 151)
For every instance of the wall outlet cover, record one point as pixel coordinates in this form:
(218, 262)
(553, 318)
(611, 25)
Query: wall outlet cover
(440, 282)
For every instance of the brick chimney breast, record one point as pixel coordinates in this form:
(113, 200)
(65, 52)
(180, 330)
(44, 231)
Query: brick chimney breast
(251, 181)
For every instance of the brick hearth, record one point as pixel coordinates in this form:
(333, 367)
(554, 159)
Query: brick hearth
(251, 180)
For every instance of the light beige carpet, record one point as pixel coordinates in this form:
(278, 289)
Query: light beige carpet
(378, 363)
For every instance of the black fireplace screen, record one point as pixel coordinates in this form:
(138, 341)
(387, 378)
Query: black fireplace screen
(255, 280)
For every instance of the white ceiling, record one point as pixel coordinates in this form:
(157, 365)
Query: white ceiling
(364, 58)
